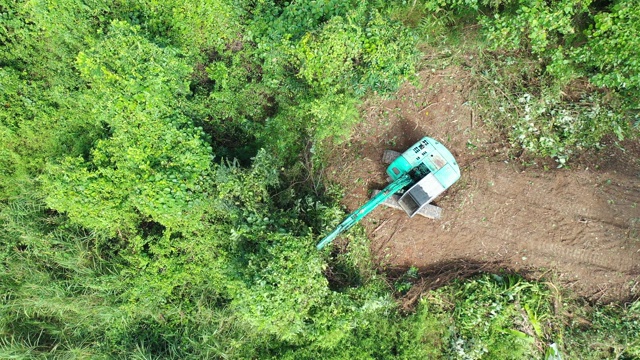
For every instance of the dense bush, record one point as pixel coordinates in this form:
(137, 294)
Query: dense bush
(128, 228)
(152, 164)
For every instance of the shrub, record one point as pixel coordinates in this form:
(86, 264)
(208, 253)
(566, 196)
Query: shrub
(611, 50)
(153, 164)
(360, 52)
(501, 317)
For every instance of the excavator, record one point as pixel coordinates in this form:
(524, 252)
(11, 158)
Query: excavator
(417, 176)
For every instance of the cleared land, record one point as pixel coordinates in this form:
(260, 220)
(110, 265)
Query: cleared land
(579, 227)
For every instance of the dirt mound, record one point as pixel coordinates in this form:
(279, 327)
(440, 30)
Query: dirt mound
(578, 226)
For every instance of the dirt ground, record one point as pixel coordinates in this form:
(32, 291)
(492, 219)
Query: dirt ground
(577, 227)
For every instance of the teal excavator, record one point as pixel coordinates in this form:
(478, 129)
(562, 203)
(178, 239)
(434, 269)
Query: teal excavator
(417, 175)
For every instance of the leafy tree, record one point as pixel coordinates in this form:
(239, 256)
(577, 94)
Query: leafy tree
(359, 52)
(612, 46)
(153, 164)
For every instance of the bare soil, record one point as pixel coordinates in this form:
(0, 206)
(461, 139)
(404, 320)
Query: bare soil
(577, 227)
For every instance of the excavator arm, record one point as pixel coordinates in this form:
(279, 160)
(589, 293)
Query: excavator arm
(397, 185)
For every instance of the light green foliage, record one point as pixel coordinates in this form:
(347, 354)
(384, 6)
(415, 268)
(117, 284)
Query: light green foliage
(283, 292)
(550, 37)
(389, 55)
(332, 116)
(42, 38)
(249, 190)
(538, 25)
(287, 296)
(292, 20)
(552, 31)
(237, 95)
(541, 28)
(194, 26)
(204, 24)
(390, 335)
(537, 116)
(293, 63)
(328, 59)
(497, 317)
(318, 73)
(362, 49)
(612, 47)
(37, 121)
(14, 162)
(153, 160)
(328, 117)
(57, 291)
(546, 126)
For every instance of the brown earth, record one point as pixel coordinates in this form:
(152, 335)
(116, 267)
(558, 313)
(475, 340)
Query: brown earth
(577, 227)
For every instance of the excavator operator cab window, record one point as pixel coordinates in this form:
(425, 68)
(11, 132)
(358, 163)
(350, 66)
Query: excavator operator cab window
(419, 172)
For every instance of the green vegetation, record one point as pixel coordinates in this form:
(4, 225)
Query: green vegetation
(159, 195)
(543, 61)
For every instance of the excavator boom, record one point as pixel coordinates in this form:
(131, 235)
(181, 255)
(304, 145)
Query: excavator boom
(365, 209)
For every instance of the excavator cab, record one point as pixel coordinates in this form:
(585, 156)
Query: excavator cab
(430, 165)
